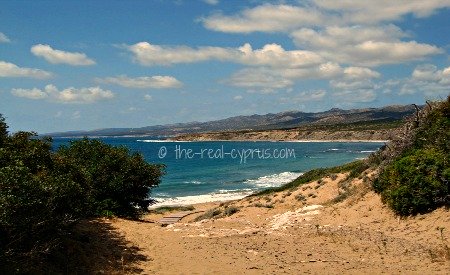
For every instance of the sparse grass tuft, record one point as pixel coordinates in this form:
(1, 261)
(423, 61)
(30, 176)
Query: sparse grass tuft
(212, 213)
(165, 209)
(258, 204)
(230, 210)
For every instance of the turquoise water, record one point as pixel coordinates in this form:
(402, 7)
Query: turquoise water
(220, 170)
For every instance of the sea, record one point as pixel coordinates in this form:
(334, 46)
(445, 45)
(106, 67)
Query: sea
(206, 171)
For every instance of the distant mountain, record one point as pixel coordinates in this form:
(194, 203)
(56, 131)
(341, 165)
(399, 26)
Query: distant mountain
(283, 120)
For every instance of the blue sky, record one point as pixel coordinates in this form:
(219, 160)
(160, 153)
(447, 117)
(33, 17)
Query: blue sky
(80, 65)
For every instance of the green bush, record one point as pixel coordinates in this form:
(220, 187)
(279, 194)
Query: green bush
(116, 181)
(44, 193)
(416, 183)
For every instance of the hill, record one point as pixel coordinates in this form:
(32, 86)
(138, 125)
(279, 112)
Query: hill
(283, 120)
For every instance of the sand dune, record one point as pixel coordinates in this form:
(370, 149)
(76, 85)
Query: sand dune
(330, 226)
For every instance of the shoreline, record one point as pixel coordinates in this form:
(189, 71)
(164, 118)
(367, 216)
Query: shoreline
(172, 139)
(273, 140)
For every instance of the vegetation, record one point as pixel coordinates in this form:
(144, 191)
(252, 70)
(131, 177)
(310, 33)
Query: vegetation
(416, 168)
(355, 168)
(165, 209)
(43, 194)
(212, 213)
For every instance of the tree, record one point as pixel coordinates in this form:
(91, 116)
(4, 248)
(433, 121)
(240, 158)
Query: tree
(3, 130)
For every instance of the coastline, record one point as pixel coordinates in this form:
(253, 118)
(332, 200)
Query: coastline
(272, 140)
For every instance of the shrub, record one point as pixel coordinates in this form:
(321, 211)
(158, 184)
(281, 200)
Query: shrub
(37, 203)
(416, 183)
(230, 210)
(115, 180)
(415, 178)
(43, 193)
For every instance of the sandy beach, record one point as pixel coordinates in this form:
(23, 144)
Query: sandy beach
(330, 226)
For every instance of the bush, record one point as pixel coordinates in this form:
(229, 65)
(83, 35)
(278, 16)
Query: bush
(116, 181)
(43, 194)
(416, 183)
(416, 171)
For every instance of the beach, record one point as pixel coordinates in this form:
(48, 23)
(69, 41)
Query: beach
(316, 228)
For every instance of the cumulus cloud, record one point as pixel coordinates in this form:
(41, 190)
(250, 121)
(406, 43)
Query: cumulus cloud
(266, 18)
(34, 93)
(4, 38)
(11, 70)
(350, 32)
(264, 80)
(355, 11)
(318, 13)
(61, 57)
(143, 82)
(362, 45)
(280, 78)
(426, 79)
(270, 55)
(68, 95)
(360, 73)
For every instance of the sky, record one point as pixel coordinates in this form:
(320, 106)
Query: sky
(83, 65)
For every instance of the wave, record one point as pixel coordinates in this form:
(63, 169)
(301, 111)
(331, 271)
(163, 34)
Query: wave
(196, 182)
(160, 140)
(188, 200)
(274, 180)
(367, 151)
(229, 194)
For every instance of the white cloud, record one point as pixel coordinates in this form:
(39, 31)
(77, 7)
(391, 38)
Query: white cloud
(352, 85)
(264, 79)
(34, 93)
(4, 38)
(68, 95)
(11, 70)
(318, 13)
(362, 45)
(356, 11)
(61, 57)
(426, 79)
(360, 73)
(270, 55)
(350, 32)
(270, 79)
(266, 18)
(211, 2)
(143, 82)
(427, 72)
